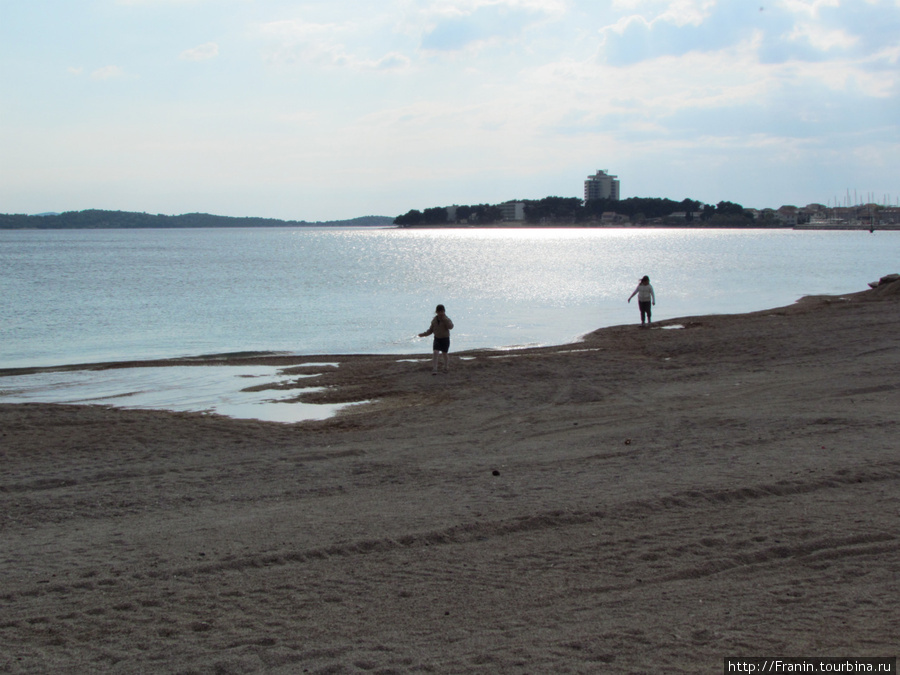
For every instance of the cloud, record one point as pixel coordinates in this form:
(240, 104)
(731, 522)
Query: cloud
(451, 7)
(788, 30)
(203, 52)
(392, 61)
(809, 7)
(729, 91)
(687, 12)
(301, 43)
(821, 38)
(679, 12)
(472, 24)
(676, 28)
(108, 73)
(455, 33)
(156, 2)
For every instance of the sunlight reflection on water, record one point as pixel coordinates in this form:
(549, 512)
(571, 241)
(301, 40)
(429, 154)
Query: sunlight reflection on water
(85, 296)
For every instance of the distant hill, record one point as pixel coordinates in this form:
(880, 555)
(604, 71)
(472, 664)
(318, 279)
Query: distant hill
(98, 219)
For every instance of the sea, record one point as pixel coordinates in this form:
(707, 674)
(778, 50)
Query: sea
(95, 296)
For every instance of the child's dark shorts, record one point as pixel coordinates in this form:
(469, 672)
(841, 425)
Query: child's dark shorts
(441, 345)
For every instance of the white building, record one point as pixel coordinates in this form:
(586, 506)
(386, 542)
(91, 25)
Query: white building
(513, 210)
(601, 186)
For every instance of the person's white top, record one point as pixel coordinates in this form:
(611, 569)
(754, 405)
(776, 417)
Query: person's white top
(645, 293)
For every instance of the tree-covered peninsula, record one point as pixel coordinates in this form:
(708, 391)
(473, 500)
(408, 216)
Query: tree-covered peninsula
(98, 219)
(574, 211)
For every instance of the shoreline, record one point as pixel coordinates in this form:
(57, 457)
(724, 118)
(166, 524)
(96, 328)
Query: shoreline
(284, 358)
(509, 225)
(641, 500)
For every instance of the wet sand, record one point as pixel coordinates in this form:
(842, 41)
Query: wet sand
(643, 501)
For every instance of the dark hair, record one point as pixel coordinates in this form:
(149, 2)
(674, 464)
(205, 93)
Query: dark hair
(440, 308)
(645, 280)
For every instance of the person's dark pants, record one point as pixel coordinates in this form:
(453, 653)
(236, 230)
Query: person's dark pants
(645, 309)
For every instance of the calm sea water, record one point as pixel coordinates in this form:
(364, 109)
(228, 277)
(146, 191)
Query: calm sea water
(109, 295)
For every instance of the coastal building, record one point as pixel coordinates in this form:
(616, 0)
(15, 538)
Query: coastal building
(678, 217)
(787, 215)
(608, 218)
(601, 186)
(890, 215)
(513, 210)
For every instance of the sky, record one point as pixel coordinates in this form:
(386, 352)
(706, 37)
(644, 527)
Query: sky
(333, 109)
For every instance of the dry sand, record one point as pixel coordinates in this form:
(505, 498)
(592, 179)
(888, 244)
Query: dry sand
(644, 501)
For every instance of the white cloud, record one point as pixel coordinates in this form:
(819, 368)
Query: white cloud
(108, 73)
(295, 29)
(156, 2)
(891, 54)
(455, 7)
(654, 28)
(203, 52)
(296, 42)
(75, 70)
(687, 12)
(621, 26)
(733, 81)
(470, 25)
(866, 77)
(822, 38)
(679, 11)
(809, 7)
(301, 42)
(392, 61)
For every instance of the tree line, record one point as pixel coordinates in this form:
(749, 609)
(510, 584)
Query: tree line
(483, 214)
(100, 219)
(572, 210)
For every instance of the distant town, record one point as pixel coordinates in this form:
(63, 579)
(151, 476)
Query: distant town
(601, 206)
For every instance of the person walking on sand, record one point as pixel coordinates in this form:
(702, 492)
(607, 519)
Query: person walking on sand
(646, 298)
(441, 325)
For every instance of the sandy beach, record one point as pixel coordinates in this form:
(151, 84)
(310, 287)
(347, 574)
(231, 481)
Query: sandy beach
(642, 501)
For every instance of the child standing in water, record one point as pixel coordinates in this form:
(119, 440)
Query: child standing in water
(646, 298)
(441, 325)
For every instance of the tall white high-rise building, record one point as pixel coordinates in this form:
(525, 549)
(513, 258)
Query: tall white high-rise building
(601, 186)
